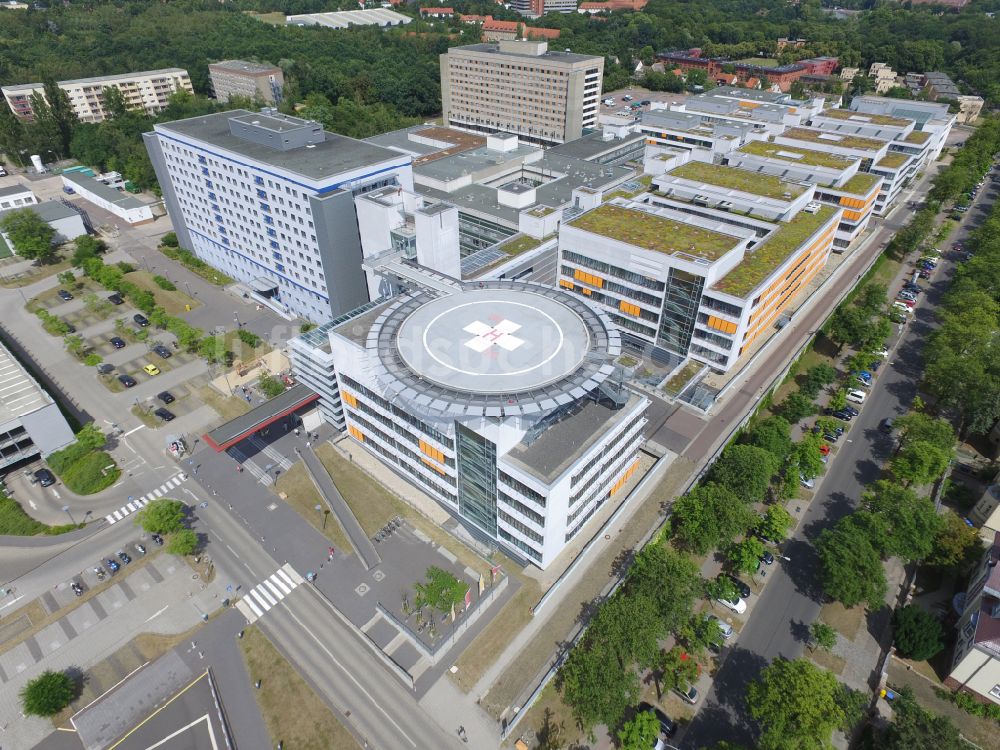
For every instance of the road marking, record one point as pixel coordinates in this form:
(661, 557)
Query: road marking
(134, 505)
(32, 504)
(350, 676)
(149, 718)
(250, 569)
(264, 596)
(134, 429)
(56, 493)
(276, 581)
(279, 595)
(14, 601)
(157, 492)
(152, 617)
(204, 717)
(235, 554)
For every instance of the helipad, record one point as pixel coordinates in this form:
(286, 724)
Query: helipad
(493, 341)
(494, 348)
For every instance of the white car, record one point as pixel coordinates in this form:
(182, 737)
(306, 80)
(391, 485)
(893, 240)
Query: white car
(901, 307)
(724, 627)
(882, 353)
(807, 482)
(856, 396)
(738, 606)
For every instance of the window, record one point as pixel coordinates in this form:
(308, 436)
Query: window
(995, 691)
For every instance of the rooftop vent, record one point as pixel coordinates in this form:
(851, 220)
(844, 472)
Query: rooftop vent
(811, 207)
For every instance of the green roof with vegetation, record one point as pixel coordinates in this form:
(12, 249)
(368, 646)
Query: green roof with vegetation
(850, 114)
(763, 62)
(620, 192)
(654, 232)
(756, 183)
(834, 139)
(860, 184)
(760, 262)
(541, 211)
(892, 160)
(519, 243)
(804, 156)
(917, 136)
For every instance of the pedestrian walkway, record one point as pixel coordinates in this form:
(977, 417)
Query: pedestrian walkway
(133, 504)
(267, 594)
(262, 474)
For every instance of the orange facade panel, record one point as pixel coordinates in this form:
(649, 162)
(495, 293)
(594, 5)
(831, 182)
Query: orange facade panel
(629, 308)
(355, 433)
(721, 325)
(436, 467)
(566, 284)
(349, 398)
(623, 479)
(431, 452)
(588, 278)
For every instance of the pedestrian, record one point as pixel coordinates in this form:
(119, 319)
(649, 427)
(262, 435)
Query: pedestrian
(296, 432)
(308, 443)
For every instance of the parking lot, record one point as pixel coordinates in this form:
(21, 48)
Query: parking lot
(639, 95)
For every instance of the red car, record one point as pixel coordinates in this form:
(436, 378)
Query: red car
(824, 450)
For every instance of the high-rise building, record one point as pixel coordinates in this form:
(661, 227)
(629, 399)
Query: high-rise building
(522, 88)
(149, 91)
(249, 79)
(269, 200)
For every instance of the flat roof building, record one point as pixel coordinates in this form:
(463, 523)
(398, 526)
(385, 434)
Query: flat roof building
(540, 95)
(269, 200)
(255, 81)
(499, 399)
(31, 424)
(149, 91)
(345, 19)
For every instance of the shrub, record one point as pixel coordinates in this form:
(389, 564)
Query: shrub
(306, 327)
(92, 360)
(796, 407)
(270, 385)
(916, 632)
(125, 267)
(164, 283)
(249, 338)
(169, 239)
(89, 475)
(184, 542)
(48, 694)
(162, 516)
(61, 460)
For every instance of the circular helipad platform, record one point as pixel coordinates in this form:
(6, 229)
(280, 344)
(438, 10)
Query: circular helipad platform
(493, 341)
(494, 348)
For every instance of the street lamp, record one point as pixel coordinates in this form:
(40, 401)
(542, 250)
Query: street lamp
(188, 287)
(236, 318)
(66, 511)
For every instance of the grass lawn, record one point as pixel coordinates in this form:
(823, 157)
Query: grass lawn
(227, 407)
(829, 662)
(241, 351)
(15, 522)
(292, 712)
(518, 244)
(92, 473)
(374, 506)
(845, 621)
(173, 302)
(755, 183)
(145, 416)
(683, 377)
(550, 711)
(764, 62)
(196, 265)
(296, 488)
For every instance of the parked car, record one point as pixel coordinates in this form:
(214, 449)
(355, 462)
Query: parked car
(840, 414)
(807, 482)
(140, 548)
(850, 410)
(162, 351)
(141, 320)
(725, 627)
(151, 369)
(741, 586)
(885, 426)
(64, 295)
(690, 694)
(157, 539)
(165, 397)
(77, 588)
(667, 725)
(737, 605)
(856, 396)
(165, 414)
(105, 369)
(901, 308)
(924, 274)
(123, 556)
(767, 558)
(126, 380)
(906, 295)
(112, 565)
(117, 342)
(824, 450)
(45, 477)
(897, 317)
(831, 437)
(116, 299)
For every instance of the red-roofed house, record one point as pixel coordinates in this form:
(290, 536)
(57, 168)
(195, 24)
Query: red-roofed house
(495, 31)
(473, 19)
(537, 32)
(437, 12)
(975, 665)
(752, 83)
(610, 6)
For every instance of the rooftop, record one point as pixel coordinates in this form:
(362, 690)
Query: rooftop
(102, 79)
(864, 117)
(243, 66)
(18, 189)
(593, 145)
(917, 136)
(756, 183)
(805, 156)
(653, 232)
(47, 210)
(555, 450)
(860, 183)
(333, 156)
(19, 393)
(833, 139)
(428, 142)
(101, 190)
(554, 56)
(345, 18)
(892, 160)
(760, 262)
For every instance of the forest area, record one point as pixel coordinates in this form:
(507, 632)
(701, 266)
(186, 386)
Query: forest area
(363, 81)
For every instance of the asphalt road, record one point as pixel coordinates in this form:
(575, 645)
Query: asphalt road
(792, 598)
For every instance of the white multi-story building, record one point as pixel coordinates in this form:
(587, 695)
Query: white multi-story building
(249, 79)
(269, 200)
(499, 399)
(148, 91)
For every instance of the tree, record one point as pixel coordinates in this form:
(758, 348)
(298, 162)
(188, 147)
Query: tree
(640, 733)
(721, 587)
(48, 694)
(162, 516)
(596, 693)
(775, 523)
(628, 629)
(745, 470)
(744, 557)
(74, 345)
(917, 634)
(796, 407)
(916, 426)
(907, 524)
(709, 515)
(669, 578)
(30, 234)
(86, 247)
(90, 437)
(913, 728)
(183, 542)
(773, 435)
(851, 570)
(270, 385)
(213, 349)
(817, 377)
(847, 325)
(795, 704)
(957, 545)
(919, 462)
(676, 668)
(700, 632)
(12, 135)
(808, 456)
(441, 590)
(823, 635)
(66, 278)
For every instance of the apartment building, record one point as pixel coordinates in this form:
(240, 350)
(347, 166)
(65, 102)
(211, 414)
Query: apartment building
(269, 200)
(255, 81)
(499, 399)
(689, 276)
(148, 91)
(521, 87)
(536, 8)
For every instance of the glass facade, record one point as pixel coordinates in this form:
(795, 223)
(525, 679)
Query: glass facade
(680, 310)
(477, 479)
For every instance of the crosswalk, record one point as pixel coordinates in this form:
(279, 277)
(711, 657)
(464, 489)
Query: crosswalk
(268, 593)
(137, 504)
(276, 460)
